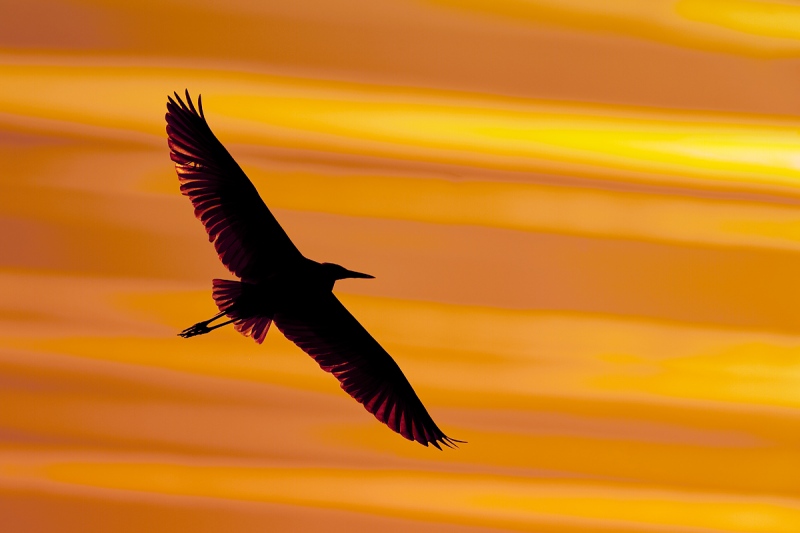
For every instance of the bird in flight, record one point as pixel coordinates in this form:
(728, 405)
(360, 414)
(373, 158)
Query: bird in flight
(278, 284)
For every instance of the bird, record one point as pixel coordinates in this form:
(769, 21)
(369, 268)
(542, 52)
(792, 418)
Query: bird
(278, 284)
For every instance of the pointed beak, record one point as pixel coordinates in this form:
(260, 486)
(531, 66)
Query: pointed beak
(352, 274)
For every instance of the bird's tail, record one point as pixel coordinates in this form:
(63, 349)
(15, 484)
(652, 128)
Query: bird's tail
(241, 302)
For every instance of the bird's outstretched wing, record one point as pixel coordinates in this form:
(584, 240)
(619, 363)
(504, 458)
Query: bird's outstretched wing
(326, 331)
(246, 235)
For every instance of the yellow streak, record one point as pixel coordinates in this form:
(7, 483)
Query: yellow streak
(739, 26)
(508, 205)
(353, 192)
(757, 17)
(532, 207)
(500, 352)
(424, 125)
(450, 498)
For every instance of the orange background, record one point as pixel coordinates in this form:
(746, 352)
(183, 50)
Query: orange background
(584, 221)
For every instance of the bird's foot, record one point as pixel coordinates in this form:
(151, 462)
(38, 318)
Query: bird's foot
(201, 328)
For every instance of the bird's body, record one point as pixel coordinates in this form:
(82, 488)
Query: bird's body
(274, 293)
(278, 284)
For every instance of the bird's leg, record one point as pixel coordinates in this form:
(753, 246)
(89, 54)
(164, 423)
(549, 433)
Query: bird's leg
(201, 328)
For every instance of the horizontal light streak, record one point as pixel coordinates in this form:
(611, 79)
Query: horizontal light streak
(767, 18)
(749, 27)
(449, 498)
(533, 207)
(436, 126)
(450, 350)
(469, 201)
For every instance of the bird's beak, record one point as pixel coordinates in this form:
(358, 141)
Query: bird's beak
(352, 274)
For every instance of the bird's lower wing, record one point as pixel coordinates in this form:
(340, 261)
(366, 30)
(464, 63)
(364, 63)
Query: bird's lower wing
(326, 331)
(246, 235)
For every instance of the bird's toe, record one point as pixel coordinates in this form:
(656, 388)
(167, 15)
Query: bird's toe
(192, 331)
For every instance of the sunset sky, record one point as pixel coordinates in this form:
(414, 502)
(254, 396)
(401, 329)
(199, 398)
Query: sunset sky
(584, 222)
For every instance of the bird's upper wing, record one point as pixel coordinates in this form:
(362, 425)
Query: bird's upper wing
(247, 237)
(326, 331)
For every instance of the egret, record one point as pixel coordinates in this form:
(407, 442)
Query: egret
(279, 284)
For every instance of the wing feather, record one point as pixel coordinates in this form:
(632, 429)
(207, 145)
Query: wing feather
(248, 239)
(325, 330)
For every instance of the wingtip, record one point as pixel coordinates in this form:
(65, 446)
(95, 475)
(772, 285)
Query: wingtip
(189, 101)
(447, 441)
(175, 101)
(454, 443)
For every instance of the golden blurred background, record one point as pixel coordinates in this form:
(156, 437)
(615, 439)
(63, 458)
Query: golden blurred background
(583, 216)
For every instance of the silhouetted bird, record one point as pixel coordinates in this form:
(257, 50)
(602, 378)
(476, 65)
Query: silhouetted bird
(278, 284)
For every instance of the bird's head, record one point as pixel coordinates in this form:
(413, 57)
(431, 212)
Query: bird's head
(335, 272)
